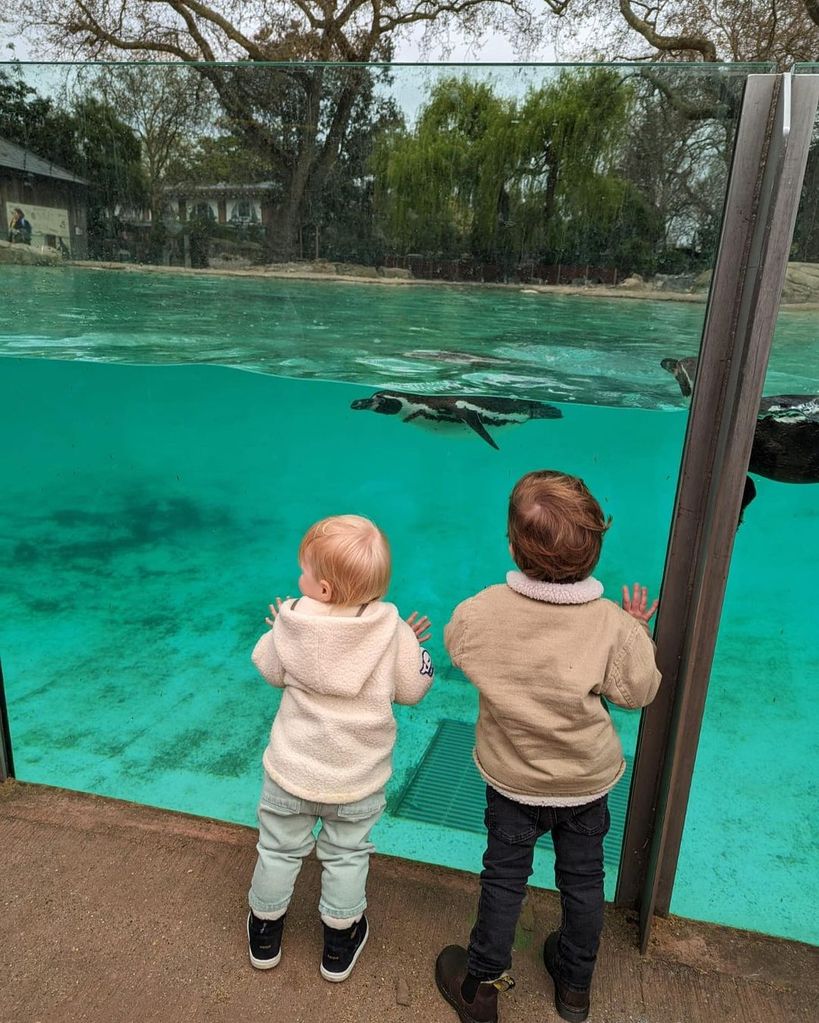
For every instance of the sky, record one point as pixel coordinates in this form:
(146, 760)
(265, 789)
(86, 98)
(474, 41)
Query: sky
(492, 50)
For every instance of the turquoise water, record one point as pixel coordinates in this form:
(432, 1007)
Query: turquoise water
(151, 512)
(430, 338)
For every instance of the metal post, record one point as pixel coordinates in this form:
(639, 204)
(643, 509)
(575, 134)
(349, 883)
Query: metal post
(763, 195)
(6, 759)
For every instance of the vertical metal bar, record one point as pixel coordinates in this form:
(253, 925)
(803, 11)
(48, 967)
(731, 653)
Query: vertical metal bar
(6, 758)
(699, 453)
(760, 211)
(796, 116)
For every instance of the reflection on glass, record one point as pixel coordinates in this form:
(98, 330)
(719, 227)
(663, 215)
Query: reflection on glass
(538, 234)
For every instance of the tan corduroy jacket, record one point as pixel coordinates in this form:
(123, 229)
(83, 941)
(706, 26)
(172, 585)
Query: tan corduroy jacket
(541, 669)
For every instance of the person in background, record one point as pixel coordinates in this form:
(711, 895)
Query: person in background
(19, 227)
(545, 651)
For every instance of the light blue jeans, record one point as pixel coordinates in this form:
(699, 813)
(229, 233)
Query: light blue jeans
(286, 826)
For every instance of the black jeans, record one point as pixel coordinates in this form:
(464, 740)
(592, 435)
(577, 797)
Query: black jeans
(577, 834)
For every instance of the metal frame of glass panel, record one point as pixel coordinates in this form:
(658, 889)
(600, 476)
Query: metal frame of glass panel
(768, 168)
(6, 758)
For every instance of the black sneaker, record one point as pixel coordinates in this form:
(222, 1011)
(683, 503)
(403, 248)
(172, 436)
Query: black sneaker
(571, 1004)
(264, 939)
(342, 949)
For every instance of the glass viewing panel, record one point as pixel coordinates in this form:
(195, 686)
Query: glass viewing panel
(538, 234)
(751, 829)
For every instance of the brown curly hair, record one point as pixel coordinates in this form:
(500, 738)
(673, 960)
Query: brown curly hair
(555, 527)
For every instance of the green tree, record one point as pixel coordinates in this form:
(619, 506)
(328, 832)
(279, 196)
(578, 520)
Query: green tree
(256, 32)
(517, 180)
(34, 122)
(265, 144)
(434, 189)
(108, 155)
(167, 107)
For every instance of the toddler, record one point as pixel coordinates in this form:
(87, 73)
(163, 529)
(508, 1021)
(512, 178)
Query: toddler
(543, 651)
(343, 656)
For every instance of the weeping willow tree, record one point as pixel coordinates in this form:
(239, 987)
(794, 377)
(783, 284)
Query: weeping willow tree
(431, 187)
(510, 180)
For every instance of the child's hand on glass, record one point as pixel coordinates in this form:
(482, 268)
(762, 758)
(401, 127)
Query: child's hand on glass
(637, 605)
(420, 625)
(274, 610)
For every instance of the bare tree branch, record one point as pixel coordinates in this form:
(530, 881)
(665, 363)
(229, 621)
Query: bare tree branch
(196, 35)
(232, 33)
(682, 43)
(97, 34)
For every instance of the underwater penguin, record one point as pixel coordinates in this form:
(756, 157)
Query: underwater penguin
(786, 438)
(475, 411)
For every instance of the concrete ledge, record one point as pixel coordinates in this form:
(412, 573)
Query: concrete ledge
(117, 912)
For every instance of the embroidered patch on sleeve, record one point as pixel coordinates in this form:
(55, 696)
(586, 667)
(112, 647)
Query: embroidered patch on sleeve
(426, 664)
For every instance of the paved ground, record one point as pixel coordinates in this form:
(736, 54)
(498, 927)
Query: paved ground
(112, 913)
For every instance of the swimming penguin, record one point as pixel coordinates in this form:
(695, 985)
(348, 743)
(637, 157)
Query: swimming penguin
(786, 438)
(683, 371)
(475, 411)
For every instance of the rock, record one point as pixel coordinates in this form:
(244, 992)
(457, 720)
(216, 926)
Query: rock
(229, 261)
(27, 255)
(398, 273)
(801, 283)
(402, 992)
(635, 282)
(675, 282)
(355, 270)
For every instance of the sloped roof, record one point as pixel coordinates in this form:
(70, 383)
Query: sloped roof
(221, 188)
(19, 159)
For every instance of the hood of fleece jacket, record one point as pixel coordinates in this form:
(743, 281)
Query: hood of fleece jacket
(333, 656)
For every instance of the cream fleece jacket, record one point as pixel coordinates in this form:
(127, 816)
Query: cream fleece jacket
(541, 656)
(333, 735)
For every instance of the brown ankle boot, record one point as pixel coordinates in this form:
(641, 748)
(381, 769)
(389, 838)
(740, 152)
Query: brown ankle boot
(571, 1004)
(450, 971)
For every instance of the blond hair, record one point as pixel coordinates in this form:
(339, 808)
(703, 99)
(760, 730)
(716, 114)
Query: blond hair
(352, 554)
(555, 527)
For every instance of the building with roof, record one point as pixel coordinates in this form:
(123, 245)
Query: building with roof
(224, 203)
(53, 199)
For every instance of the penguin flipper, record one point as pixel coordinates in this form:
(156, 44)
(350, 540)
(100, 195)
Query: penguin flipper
(748, 494)
(474, 422)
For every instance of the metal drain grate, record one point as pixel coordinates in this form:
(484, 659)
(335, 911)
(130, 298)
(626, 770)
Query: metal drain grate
(447, 790)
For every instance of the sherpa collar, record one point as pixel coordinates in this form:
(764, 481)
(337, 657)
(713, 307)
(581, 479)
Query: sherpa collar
(582, 592)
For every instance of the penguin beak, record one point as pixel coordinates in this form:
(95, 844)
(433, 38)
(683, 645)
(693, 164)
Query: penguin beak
(362, 403)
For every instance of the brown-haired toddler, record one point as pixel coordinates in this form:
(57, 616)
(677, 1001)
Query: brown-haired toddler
(543, 650)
